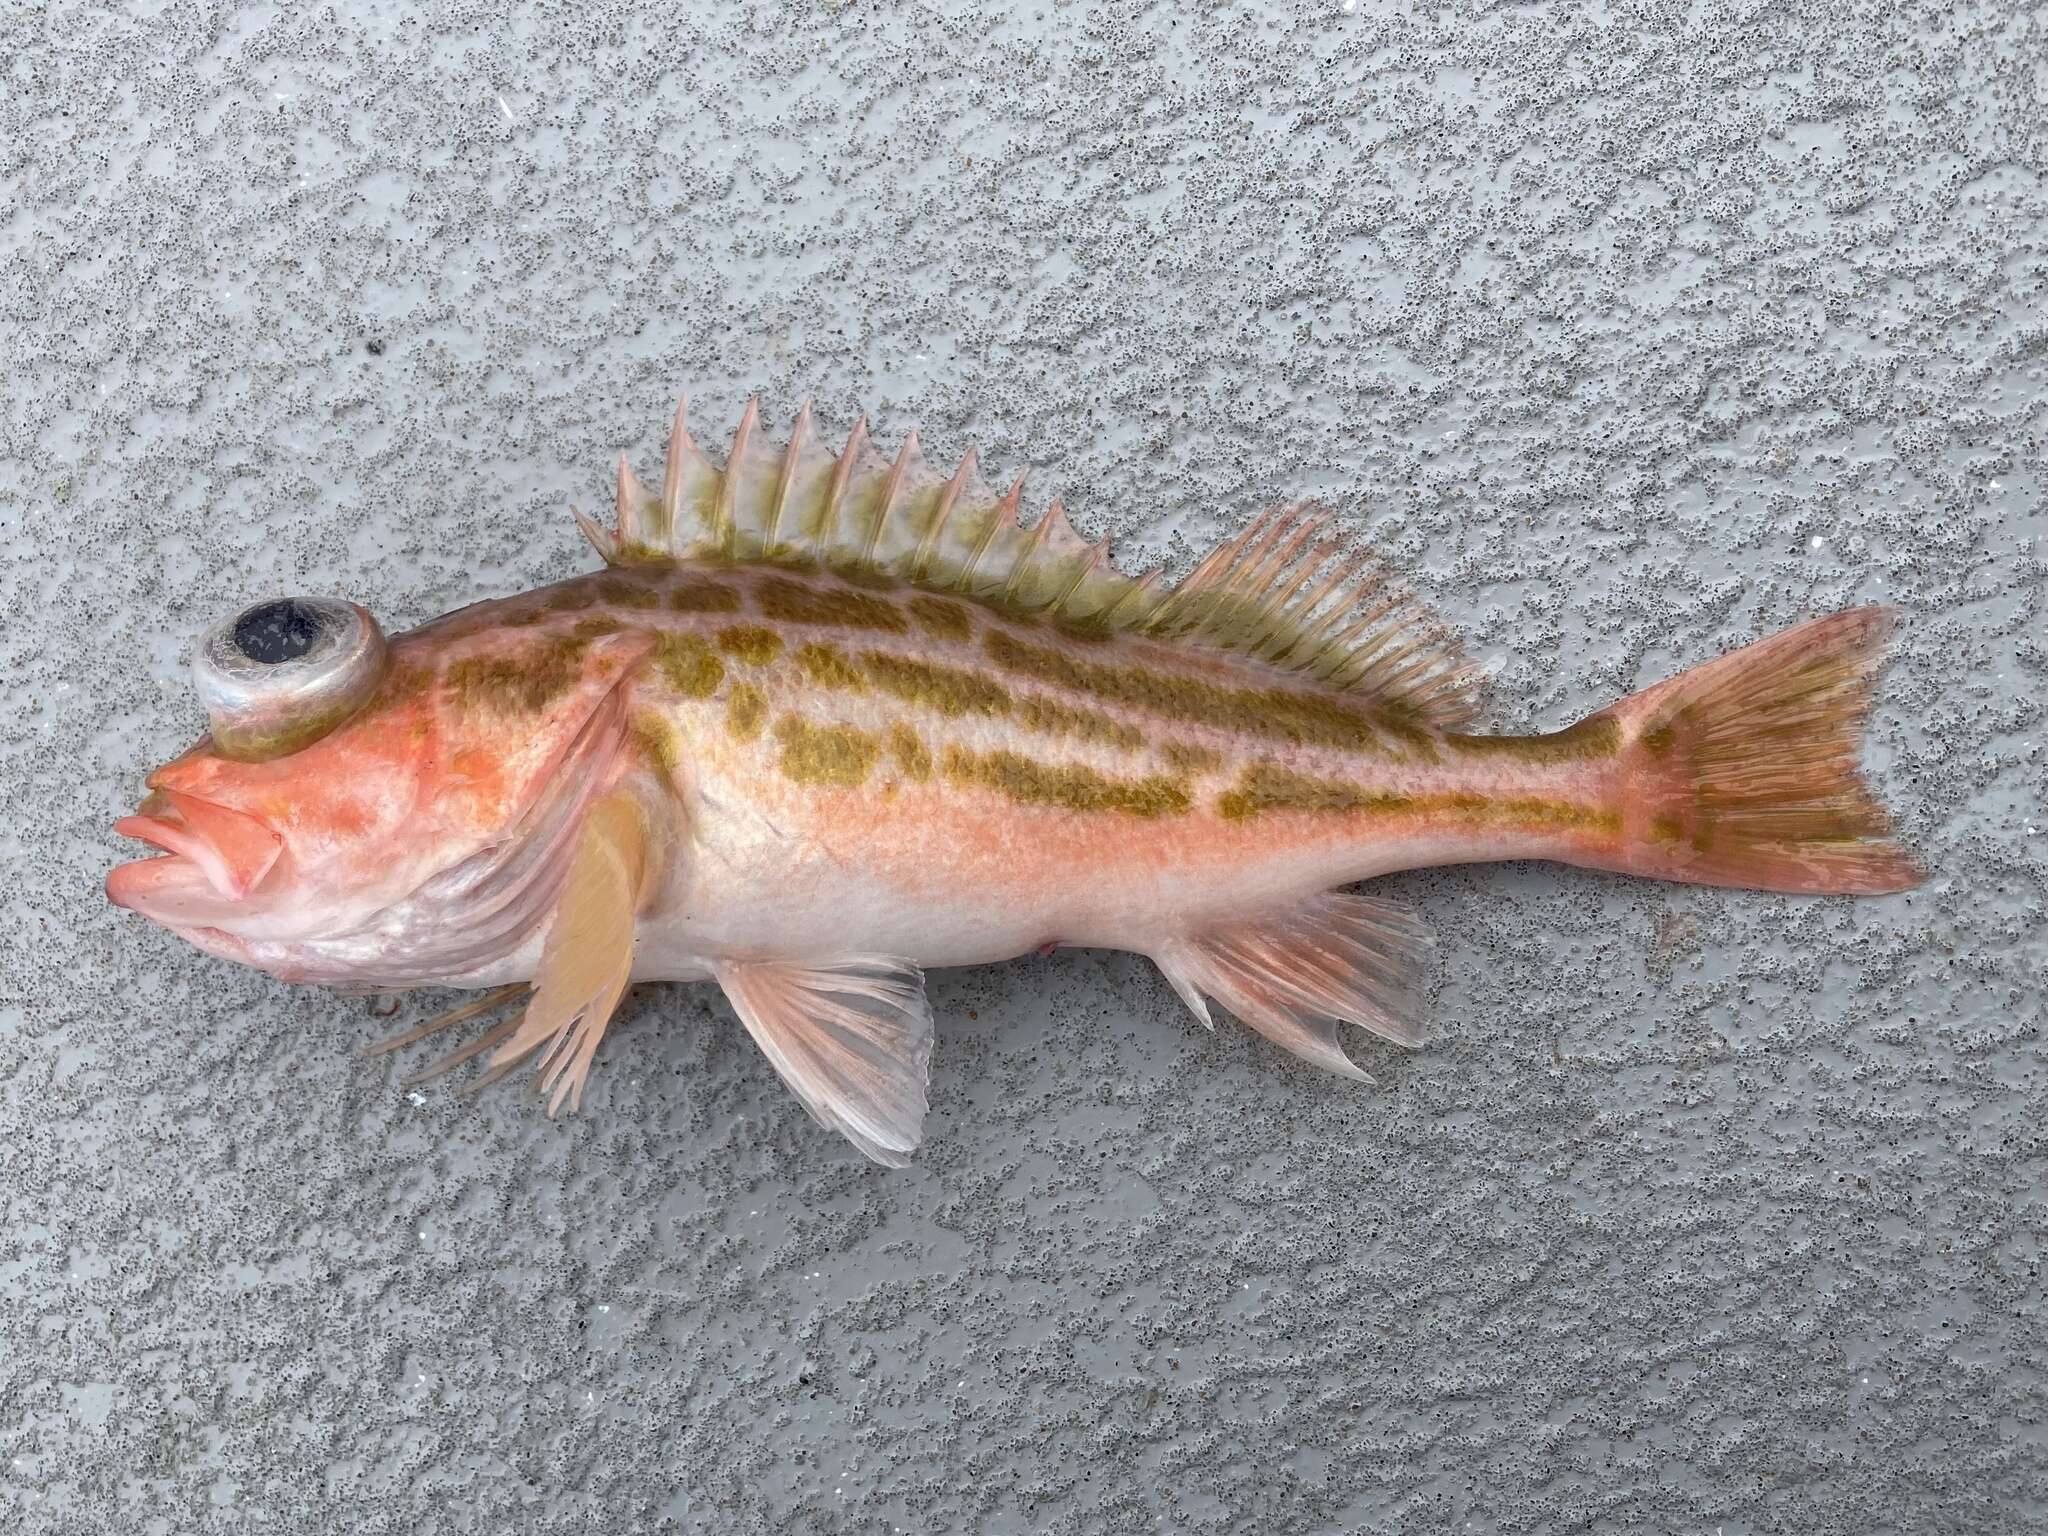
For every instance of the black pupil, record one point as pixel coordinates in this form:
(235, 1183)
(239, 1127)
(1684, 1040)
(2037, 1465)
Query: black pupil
(277, 631)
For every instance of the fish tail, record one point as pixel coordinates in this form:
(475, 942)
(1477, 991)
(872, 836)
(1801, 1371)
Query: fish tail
(1744, 771)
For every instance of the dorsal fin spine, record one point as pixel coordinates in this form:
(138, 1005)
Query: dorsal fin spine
(941, 514)
(1140, 594)
(1086, 564)
(1034, 544)
(672, 471)
(892, 492)
(786, 477)
(601, 541)
(1057, 542)
(1005, 516)
(724, 528)
(634, 509)
(842, 472)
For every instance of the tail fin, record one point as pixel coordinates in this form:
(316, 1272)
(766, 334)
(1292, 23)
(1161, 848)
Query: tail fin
(1744, 771)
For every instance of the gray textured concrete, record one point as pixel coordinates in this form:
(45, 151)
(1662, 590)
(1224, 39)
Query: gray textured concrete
(1634, 337)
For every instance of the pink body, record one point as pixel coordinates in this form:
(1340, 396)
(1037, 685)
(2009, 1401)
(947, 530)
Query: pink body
(808, 769)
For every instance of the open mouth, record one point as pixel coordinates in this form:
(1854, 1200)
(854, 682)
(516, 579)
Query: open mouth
(212, 858)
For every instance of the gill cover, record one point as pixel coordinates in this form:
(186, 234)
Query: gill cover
(283, 673)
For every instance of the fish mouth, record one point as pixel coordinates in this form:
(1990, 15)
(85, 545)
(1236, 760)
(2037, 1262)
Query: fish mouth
(211, 860)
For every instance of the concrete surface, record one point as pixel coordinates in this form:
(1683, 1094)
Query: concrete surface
(1634, 334)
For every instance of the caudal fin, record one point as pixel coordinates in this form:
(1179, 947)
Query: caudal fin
(1744, 771)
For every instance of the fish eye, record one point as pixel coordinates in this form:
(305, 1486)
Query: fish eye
(284, 672)
(282, 629)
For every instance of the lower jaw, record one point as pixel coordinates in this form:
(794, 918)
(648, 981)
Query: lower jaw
(219, 943)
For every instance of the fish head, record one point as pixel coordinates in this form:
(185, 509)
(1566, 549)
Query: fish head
(343, 818)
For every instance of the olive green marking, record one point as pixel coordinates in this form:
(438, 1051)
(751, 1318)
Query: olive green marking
(1086, 631)
(636, 552)
(553, 653)
(1523, 811)
(861, 576)
(657, 739)
(1066, 786)
(942, 619)
(529, 678)
(956, 692)
(1302, 719)
(829, 667)
(1667, 829)
(1267, 786)
(406, 677)
(572, 598)
(1588, 741)
(1186, 757)
(910, 752)
(949, 690)
(697, 595)
(508, 685)
(627, 592)
(792, 602)
(745, 711)
(751, 643)
(687, 662)
(1659, 739)
(839, 755)
(1039, 712)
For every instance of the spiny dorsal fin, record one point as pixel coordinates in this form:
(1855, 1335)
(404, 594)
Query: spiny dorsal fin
(1280, 591)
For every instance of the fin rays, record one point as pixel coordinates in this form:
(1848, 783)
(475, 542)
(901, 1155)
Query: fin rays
(1295, 976)
(1280, 590)
(852, 1038)
(585, 965)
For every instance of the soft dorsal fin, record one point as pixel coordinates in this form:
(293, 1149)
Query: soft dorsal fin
(1281, 591)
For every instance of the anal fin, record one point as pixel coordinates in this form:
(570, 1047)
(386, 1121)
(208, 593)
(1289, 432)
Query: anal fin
(851, 1037)
(587, 956)
(1295, 975)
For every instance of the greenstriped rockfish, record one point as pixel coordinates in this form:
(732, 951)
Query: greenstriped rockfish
(825, 720)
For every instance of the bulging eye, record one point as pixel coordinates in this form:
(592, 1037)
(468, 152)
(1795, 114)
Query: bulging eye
(281, 674)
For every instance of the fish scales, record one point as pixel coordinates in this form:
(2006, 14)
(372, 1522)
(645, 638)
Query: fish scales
(826, 720)
(1095, 727)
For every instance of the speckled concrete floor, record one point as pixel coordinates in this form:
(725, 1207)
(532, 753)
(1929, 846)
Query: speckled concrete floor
(1634, 337)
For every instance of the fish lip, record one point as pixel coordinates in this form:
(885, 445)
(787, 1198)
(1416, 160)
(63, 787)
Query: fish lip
(229, 850)
(166, 888)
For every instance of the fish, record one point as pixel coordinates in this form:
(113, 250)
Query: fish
(823, 722)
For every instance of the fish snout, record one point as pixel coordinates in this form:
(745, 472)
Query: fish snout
(211, 859)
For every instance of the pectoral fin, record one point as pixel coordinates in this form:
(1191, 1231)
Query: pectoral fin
(851, 1037)
(1293, 977)
(587, 957)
